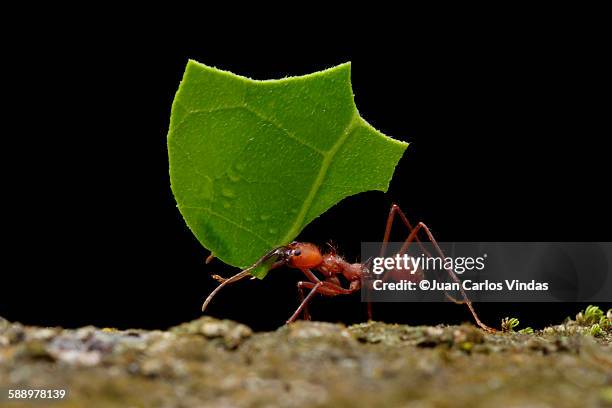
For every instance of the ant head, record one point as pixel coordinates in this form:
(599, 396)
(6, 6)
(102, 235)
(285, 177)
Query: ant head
(299, 255)
(303, 255)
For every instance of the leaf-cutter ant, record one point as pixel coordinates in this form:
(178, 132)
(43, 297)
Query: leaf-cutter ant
(307, 257)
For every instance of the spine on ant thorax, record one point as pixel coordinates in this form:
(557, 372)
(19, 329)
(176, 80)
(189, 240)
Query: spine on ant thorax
(334, 264)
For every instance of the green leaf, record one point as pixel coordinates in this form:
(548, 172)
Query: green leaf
(253, 162)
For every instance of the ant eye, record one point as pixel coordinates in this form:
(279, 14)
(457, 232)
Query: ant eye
(297, 252)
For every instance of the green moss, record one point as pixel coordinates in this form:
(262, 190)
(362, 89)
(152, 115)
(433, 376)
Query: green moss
(591, 315)
(509, 323)
(596, 330)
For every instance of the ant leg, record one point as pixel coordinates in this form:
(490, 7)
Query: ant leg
(369, 305)
(314, 289)
(431, 238)
(333, 289)
(301, 286)
(383, 248)
(466, 299)
(311, 276)
(324, 288)
(396, 210)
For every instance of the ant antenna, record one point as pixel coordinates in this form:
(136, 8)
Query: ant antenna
(227, 281)
(243, 274)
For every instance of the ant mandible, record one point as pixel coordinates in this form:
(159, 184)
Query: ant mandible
(307, 257)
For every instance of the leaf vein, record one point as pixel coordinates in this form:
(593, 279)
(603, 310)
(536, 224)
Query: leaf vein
(327, 160)
(253, 111)
(281, 128)
(230, 221)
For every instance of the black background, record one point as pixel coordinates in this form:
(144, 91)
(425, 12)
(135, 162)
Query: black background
(508, 130)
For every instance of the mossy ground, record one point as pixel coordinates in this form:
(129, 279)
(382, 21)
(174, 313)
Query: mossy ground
(214, 363)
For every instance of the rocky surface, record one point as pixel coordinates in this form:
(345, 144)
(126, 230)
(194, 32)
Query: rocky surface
(212, 363)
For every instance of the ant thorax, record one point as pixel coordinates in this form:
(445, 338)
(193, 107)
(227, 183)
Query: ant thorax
(333, 264)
